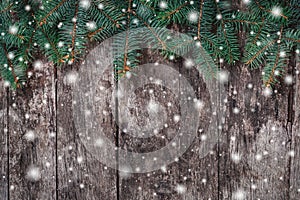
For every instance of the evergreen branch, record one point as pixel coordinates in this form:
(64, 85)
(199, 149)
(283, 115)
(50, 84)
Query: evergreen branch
(44, 19)
(211, 43)
(111, 19)
(271, 76)
(225, 35)
(240, 21)
(10, 65)
(292, 39)
(164, 46)
(7, 8)
(144, 4)
(200, 19)
(53, 46)
(259, 52)
(269, 11)
(125, 66)
(259, 31)
(176, 10)
(74, 33)
(90, 35)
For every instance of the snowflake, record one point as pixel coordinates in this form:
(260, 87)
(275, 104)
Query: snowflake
(239, 194)
(288, 80)
(91, 25)
(282, 54)
(236, 110)
(276, 11)
(236, 157)
(11, 55)
(189, 63)
(30, 136)
(27, 7)
(267, 92)
(163, 5)
(85, 4)
(219, 16)
(71, 78)
(246, 1)
(33, 173)
(198, 104)
(181, 189)
(13, 29)
(223, 76)
(193, 16)
(38, 65)
(176, 118)
(100, 6)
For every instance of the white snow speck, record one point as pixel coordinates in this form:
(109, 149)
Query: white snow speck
(223, 76)
(163, 5)
(219, 16)
(236, 157)
(193, 16)
(85, 4)
(239, 195)
(30, 136)
(176, 118)
(288, 80)
(267, 92)
(181, 189)
(71, 78)
(33, 173)
(276, 11)
(13, 29)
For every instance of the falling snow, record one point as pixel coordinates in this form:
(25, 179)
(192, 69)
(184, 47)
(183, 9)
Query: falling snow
(33, 173)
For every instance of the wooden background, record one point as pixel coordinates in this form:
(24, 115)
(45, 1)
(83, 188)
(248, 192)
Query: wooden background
(265, 134)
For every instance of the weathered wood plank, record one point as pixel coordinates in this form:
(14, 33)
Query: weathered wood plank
(295, 134)
(253, 159)
(32, 146)
(3, 143)
(156, 102)
(84, 118)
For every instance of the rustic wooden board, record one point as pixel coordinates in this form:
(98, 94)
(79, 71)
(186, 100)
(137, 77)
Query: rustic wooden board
(253, 161)
(32, 144)
(81, 174)
(295, 143)
(79, 120)
(3, 143)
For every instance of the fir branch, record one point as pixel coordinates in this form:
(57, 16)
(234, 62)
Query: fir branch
(231, 59)
(110, 19)
(44, 19)
(175, 11)
(240, 21)
(199, 20)
(292, 39)
(259, 52)
(259, 31)
(10, 63)
(164, 46)
(7, 8)
(125, 66)
(74, 33)
(269, 11)
(91, 35)
(53, 46)
(271, 76)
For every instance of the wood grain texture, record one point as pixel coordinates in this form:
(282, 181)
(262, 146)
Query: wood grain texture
(295, 142)
(81, 174)
(3, 143)
(79, 120)
(32, 147)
